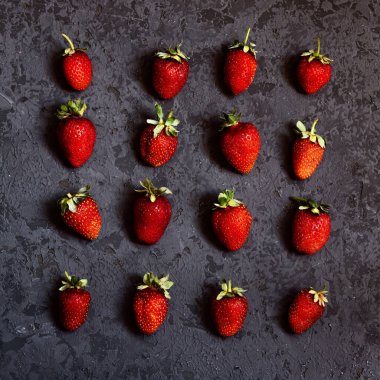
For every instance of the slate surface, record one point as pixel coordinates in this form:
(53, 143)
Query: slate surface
(36, 248)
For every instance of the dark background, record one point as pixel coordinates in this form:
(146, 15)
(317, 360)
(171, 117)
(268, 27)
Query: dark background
(36, 248)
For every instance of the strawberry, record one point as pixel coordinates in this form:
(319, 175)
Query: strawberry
(77, 66)
(240, 65)
(240, 143)
(151, 212)
(74, 302)
(170, 72)
(229, 309)
(306, 309)
(314, 70)
(308, 151)
(158, 141)
(76, 134)
(80, 213)
(231, 221)
(151, 302)
(311, 226)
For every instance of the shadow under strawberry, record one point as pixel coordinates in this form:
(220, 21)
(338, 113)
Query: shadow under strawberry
(50, 126)
(289, 71)
(127, 213)
(142, 71)
(283, 310)
(53, 305)
(286, 148)
(219, 58)
(55, 64)
(285, 228)
(126, 310)
(203, 310)
(205, 206)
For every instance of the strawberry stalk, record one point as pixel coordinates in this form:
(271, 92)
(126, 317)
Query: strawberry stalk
(317, 54)
(151, 191)
(226, 199)
(319, 296)
(70, 50)
(246, 47)
(72, 201)
(230, 119)
(309, 204)
(73, 283)
(229, 291)
(75, 108)
(175, 54)
(311, 135)
(168, 125)
(151, 280)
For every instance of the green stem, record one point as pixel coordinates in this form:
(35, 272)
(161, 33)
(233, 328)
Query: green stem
(229, 286)
(69, 41)
(313, 127)
(318, 45)
(246, 36)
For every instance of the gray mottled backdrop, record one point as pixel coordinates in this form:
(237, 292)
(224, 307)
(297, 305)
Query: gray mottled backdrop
(36, 248)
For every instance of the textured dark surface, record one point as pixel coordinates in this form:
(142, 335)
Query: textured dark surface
(36, 248)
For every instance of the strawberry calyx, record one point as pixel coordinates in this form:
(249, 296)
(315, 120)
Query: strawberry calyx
(73, 283)
(311, 135)
(245, 45)
(70, 50)
(150, 280)
(151, 191)
(230, 119)
(175, 54)
(309, 204)
(168, 125)
(72, 201)
(73, 108)
(229, 291)
(319, 296)
(317, 55)
(226, 199)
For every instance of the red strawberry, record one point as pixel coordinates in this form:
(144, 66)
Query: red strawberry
(229, 309)
(170, 72)
(76, 134)
(240, 65)
(158, 142)
(151, 213)
(240, 143)
(74, 302)
(151, 302)
(306, 309)
(314, 70)
(80, 213)
(308, 151)
(231, 221)
(311, 226)
(77, 67)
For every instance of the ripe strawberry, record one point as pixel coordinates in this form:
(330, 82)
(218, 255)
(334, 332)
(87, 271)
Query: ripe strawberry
(151, 302)
(76, 134)
(311, 226)
(240, 143)
(306, 309)
(229, 309)
(231, 221)
(314, 70)
(240, 65)
(80, 213)
(151, 213)
(158, 141)
(74, 302)
(77, 66)
(308, 151)
(170, 72)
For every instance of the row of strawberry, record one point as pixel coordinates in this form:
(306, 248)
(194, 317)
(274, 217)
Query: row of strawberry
(231, 220)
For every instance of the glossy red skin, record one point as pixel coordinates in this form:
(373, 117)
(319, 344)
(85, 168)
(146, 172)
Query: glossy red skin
(74, 305)
(157, 151)
(304, 312)
(77, 136)
(150, 308)
(150, 219)
(229, 314)
(306, 158)
(77, 69)
(231, 226)
(310, 232)
(86, 221)
(240, 145)
(312, 76)
(239, 70)
(169, 76)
